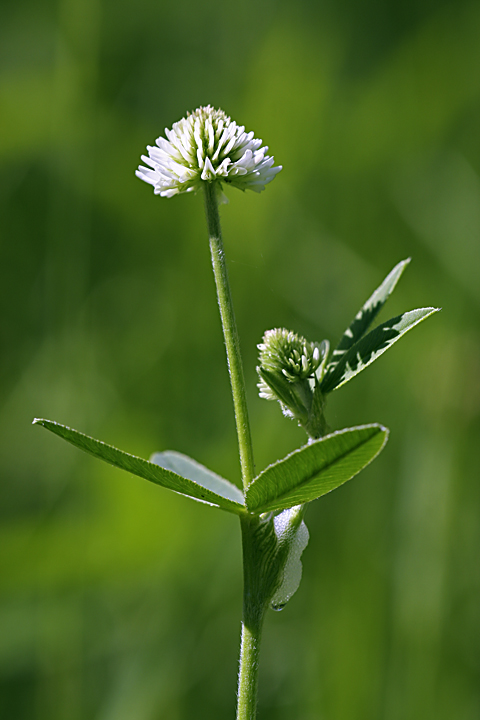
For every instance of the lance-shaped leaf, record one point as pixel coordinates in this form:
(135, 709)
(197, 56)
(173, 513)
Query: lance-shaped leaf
(199, 488)
(315, 469)
(364, 318)
(370, 347)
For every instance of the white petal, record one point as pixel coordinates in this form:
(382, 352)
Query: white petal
(222, 169)
(194, 145)
(211, 136)
(208, 170)
(148, 176)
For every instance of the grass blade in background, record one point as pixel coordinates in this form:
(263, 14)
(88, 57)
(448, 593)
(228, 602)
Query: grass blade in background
(144, 469)
(315, 469)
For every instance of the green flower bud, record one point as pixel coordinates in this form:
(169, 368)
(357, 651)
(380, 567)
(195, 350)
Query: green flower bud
(290, 371)
(283, 351)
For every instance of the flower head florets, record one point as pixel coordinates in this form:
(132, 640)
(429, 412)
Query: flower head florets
(206, 146)
(283, 351)
(290, 371)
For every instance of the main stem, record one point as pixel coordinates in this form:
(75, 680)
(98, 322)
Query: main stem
(252, 611)
(248, 673)
(230, 334)
(254, 605)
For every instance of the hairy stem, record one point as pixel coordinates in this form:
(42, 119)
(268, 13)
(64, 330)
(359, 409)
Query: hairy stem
(254, 605)
(248, 673)
(253, 608)
(230, 333)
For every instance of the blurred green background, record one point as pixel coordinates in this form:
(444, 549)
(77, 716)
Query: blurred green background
(120, 600)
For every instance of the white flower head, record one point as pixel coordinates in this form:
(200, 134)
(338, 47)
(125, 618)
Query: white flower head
(206, 146)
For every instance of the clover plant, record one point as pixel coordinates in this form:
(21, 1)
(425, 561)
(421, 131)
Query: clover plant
(206, 151)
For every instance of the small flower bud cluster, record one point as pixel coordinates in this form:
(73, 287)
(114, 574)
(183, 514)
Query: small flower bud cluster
(290, 370)
(283, 351)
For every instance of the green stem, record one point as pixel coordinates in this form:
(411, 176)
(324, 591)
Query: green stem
(230, 333)
(254, 606)
(248, 674)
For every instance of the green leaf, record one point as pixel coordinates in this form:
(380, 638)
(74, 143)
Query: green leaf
(315, 469)
(149, 471)
(199, 474)
(370, 347)
(368, 313)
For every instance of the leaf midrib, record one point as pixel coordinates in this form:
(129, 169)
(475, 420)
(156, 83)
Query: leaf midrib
(311, 476)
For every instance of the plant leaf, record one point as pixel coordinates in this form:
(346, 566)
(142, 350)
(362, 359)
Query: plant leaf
(370, 347)
(315, 469)
(144, 469)
(197, 473)
(364, 318)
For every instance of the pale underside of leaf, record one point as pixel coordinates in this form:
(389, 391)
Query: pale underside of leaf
(370, 347)
(364, 318)
(144, 469)
(316, 469)
(197, 473)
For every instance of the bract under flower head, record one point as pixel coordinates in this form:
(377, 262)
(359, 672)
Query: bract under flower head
(206, 146)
